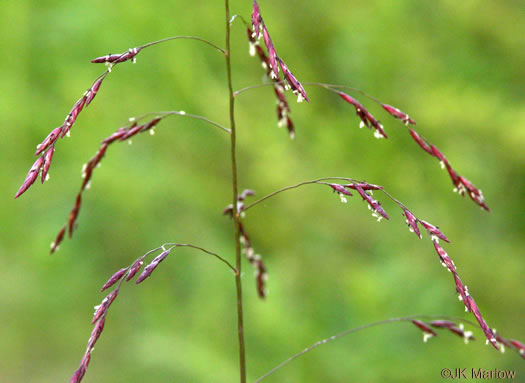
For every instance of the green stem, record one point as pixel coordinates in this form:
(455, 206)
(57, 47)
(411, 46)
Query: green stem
(236, 215)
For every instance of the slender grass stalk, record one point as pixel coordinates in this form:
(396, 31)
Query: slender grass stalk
(236, 215)
(354, 330)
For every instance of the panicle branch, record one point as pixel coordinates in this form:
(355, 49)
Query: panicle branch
(437, 321)
(462, 185)
(43, 163)
(365, 190)
(117, 279)
(122, 134)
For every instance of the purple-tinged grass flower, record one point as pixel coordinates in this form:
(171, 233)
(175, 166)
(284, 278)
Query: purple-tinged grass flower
(491, 338)
(255, 260)
(460, 331)
(293, 83)
(462, 291)
(116, 136)
(261, 274)
(256, 21)
(398, 114)
(118, 58)
(73, 215)
(55, 245)
(462, 185)
(444, 258)
(341, 191)
(454, 328)
(420, 141)
(134, 269)
(271, 53)
(245, 193)
(375, 206)
(49, 140)
(283, 111)
(474, 193)
(48, 157)
(433, 231)
(95, 334)
(283, 108)
(442, 324)
(31, 176)
(78, 375)
(519, 346)
(363, 185)
(131, 132)
(151, 124)
(366, 118)
(411, 220)
(152, 266)
(92, 92)
(427, 331)
(103, 307)
(73, 114)
(114, 278)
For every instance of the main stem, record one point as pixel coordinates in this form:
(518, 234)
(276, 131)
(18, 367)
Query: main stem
(236, 215)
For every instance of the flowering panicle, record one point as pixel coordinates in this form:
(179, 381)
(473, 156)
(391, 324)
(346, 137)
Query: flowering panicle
(255, 260)
(274, 60)
(435, 234)
(462, 185)
(101, 311)
(122, 134)
(46, 148)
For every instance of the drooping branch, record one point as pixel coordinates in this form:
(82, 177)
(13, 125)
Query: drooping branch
(46, 148)
(436, 321)
(118, 278)
(461, 184)
(365, 190)
(122, 134)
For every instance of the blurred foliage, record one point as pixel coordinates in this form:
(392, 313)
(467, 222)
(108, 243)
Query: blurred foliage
(456, 67)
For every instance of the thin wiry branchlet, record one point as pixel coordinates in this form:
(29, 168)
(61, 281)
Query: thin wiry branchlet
(120, 135)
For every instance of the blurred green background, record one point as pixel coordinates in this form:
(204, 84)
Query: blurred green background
(458, 68)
